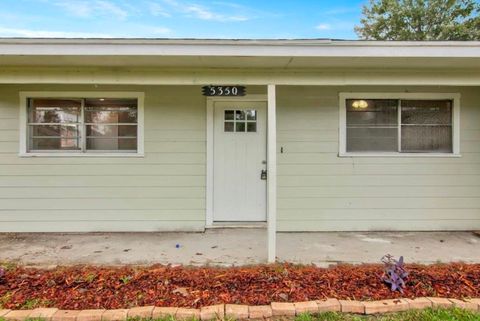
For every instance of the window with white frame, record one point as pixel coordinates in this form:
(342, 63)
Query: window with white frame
(412, 124)
(82, 125)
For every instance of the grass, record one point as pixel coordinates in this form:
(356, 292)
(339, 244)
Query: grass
(423, 315)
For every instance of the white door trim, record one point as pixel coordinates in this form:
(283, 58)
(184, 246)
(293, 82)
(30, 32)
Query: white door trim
(210, 147)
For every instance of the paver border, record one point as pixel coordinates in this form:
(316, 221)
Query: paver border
(244, 312)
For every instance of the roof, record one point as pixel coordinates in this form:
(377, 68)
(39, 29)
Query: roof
(239, 53)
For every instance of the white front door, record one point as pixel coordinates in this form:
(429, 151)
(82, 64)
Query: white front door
(239, 190)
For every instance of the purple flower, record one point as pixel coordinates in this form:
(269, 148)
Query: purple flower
(394, 272)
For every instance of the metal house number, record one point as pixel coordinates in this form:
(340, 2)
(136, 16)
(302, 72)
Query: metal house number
(227, 91)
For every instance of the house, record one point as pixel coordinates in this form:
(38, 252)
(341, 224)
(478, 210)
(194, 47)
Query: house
(182, 135)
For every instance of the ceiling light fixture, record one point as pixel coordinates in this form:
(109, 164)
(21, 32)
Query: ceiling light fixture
(359, 104)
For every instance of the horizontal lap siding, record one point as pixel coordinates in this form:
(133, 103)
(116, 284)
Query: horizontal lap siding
(165, 190)
(319, 191)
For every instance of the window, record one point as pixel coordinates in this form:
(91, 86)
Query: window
(240, 121)
(74, 126)
(409, 124)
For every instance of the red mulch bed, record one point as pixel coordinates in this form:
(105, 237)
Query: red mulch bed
(102, 287)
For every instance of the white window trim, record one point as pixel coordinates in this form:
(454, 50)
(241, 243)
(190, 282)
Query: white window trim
(25, 95)
(343, 96)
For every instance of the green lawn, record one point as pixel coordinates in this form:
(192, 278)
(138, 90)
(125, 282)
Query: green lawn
(425, 315)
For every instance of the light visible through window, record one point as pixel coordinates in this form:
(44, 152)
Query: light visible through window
(82, 125)
(393, 125)
(240, 121)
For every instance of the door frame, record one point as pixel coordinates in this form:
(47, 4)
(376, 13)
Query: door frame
(210, 147)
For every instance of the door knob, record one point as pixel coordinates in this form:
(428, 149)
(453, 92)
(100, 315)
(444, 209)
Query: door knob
(263, 175)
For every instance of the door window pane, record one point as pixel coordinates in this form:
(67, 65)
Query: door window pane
(229, 126)
(240, 127)
(427, 126)
(240, 115)
(240, 121)
(372, 125)
(251, 127)
(251, 115)
(229, 114)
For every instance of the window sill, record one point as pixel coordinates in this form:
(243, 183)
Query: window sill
(106, 155)
(444, 155)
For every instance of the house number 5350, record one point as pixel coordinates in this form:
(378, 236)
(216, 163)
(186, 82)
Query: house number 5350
(223, 90)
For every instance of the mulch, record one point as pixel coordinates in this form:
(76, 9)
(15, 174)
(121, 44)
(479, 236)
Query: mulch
(88, 287)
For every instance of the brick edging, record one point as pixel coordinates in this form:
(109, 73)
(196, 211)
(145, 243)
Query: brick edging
(242, 312)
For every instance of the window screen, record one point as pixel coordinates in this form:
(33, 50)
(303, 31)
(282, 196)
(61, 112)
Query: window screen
(426, 126)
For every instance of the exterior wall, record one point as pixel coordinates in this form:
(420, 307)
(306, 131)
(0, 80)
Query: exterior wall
(319, 191)
(165, 190)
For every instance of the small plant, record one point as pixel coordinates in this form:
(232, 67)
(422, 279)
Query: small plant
(125, 279)
(394, 272)
(31, 304)
(89, 278)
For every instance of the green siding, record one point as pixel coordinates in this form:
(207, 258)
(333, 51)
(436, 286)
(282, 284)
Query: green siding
(319, 191)
(165, 190)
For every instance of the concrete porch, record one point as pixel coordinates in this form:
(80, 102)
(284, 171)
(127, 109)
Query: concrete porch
(225, 247)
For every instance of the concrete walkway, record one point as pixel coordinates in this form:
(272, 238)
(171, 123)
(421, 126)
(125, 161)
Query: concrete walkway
(236, 247)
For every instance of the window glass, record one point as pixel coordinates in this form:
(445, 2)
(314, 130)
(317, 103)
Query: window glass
(110, 110)
(54, 111)
(107, 115)
(372, 125)
(240, 121)
(54, 124)
(82, 124)
(426, 126)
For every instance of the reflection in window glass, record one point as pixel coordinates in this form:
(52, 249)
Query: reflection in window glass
(240, 121)
(54, 124)
(115, 124)
(229, 114)
(251, 115)
(239, 127)
(54, 111)
(107, 124)
(240, 115)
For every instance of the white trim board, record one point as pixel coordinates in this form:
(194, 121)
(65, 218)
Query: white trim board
(343, 96)
(246, 48)
(210, 148)
(272, 173)
(24, 95)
